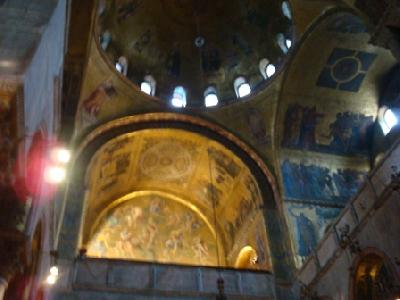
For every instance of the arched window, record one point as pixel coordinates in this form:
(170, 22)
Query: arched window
(286, 10)
(210, 97)
(179, 97)
(387, 119)
(247, 258)
(288, 43)
(283, 42)
(148, 85)
(267, 69)
(270, 70)
(374, 279)
(241, 86)
(122, 65)
(105, 40)
(101, 7)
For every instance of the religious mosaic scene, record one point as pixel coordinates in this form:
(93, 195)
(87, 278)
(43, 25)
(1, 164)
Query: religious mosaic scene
(198, 150)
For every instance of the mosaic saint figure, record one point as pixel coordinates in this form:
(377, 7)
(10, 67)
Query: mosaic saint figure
(307, 239)
(92, 104)
(308, 127)
(293, 117)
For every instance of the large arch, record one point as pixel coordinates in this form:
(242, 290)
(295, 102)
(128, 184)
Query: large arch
(324, 123)
(75, 203)
(373, 276)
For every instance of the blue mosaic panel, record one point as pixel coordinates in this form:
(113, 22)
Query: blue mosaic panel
(309, 224)
(319, 185)
(349, 133)
(345, 69)
(347, 24)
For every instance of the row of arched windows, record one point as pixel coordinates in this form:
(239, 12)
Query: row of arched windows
(241, 87)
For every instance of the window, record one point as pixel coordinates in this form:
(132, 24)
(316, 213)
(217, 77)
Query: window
(286, 10)
(105, 40)
(288, 43)
(148, 85)
(247, 258)
(387, 120)
(179, 97)
(270, 70)
(267, 69)
(118, 66)
(101, 7)
(284, 43)
(122, 65)
(210, 97)
(242, 88)
(145, 87)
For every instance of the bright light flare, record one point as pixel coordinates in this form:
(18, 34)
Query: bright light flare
(55, 174)
(51, 279)
(61, 155)
(54, 271)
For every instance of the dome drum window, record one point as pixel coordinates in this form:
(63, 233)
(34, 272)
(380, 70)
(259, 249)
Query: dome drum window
(286, 11)
(105, 40)
(122, 65)
(266, 68)
(242, 87)
(284, 43)
(210, 97)
(194, 44)
(179, 97)
(387, 119)
(148, 85)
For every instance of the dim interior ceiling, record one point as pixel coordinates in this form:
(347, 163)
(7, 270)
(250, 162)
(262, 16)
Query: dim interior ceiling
(194, 43)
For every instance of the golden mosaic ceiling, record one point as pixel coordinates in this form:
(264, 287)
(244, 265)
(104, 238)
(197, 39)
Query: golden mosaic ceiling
(193, 43)
(186, 174)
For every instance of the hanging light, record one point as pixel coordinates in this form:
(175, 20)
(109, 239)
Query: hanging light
(54, 270)
(53, 275)
(60, 155)
(55, 174)
(51, 279)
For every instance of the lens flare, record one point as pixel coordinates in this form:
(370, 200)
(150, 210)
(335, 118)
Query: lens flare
(55, 174)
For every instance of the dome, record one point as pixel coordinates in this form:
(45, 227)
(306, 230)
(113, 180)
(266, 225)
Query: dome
(196, 44)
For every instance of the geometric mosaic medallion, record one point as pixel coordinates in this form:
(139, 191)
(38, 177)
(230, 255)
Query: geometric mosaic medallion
(345, 69)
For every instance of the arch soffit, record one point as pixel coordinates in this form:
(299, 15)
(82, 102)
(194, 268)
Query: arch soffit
(123, 125)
